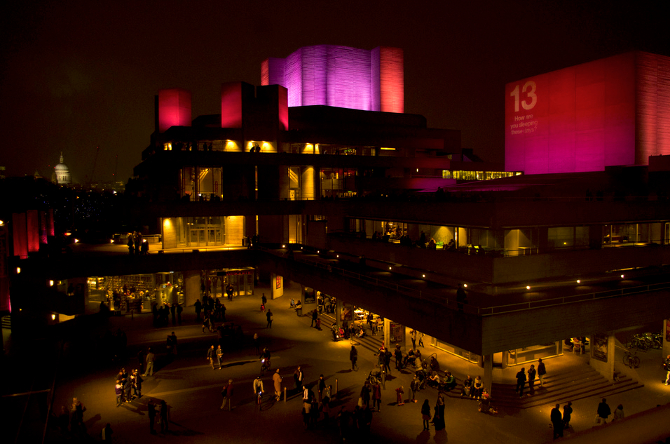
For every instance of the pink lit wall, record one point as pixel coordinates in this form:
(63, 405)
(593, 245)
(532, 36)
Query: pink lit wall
(33, 230)
(589, 116)
(340, 76)
(174, 108)
(231, 105)
(19, 237)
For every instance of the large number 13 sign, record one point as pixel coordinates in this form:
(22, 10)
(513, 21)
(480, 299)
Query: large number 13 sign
(530, 99)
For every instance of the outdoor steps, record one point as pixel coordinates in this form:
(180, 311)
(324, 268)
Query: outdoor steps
(580, 383)
(370, 342)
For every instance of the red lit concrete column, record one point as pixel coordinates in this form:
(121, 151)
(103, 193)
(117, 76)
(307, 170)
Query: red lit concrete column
(602, 354)
(191, 287)
(277, 283)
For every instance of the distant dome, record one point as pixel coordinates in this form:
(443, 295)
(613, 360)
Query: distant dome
(62, 173)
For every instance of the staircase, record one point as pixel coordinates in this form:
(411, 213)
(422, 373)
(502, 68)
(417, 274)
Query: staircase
(579, 383)
(370, 342)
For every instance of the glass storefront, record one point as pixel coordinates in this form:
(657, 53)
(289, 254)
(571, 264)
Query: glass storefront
(534, 352)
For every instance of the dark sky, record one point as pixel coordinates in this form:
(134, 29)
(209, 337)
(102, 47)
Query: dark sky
(78, 74)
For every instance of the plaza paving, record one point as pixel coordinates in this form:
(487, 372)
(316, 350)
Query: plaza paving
(192, 389)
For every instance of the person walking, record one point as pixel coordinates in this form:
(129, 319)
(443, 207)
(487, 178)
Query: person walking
(297, 377)
(520, 381)
(377, 396)
(172, 344)
(321, 386)
(137, 383)
(198, 309)
(425, 414)
(567, 414)
(353, 357)
(227, 393)
(211, 354)
(438, 418)
(152, 417)
(268, 315)
(398, 357)
(315, 315)
(541, 371)
(666, 367)
(603, 412)
(150, 363)
(119, 392)
(557, 421)
(276, 378)
(531, 379)
(107, 433)
(165, 416)
(399, 392)
(219, 356)
(412, 336)
(414, 388)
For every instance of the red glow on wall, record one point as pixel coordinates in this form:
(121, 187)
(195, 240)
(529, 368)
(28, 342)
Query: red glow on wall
(613, 111)
(283, 108)
(19, 238)
(231, 105)
(174, 108)
(33, 230)
(391, 80)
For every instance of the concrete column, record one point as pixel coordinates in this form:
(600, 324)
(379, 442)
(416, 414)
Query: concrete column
(191, 287)
(488, 373)
(338, 312)
(277, 286)
(666, 332)
(387, 333)
(505, 358)
(602, 354)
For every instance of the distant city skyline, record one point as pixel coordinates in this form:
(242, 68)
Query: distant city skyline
(71, 81)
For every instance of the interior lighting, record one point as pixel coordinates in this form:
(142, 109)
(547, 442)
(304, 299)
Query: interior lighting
(283, 246)
(51, 283)
(18, 270)
(423, 275)
(2, 223)
(76, 241)
(337, 255)
(579, 281)
(622, 276)
(465, 285)
(111, 241)
(527, 287)
(53, 317)
(389, 268)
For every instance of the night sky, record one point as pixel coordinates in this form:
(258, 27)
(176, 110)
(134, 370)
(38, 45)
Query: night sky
(79, 74)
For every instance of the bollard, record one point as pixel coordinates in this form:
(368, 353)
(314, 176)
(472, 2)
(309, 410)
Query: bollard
(284, 395)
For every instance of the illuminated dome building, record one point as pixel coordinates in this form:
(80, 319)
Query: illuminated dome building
(62, 173)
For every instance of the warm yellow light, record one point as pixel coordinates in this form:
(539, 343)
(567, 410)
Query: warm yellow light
(51, 283)
(417, 170)
(283, 246)
(338, 255)
(465, 285)
(18, 270)
(389, 268)
(53, 317)
(266, 145)
(76, 241)
(622, 276)
(579, 281)
(2, 223)
(111, 241)
(527, 287)
(387, 149)
(424, 275)
(167, 223)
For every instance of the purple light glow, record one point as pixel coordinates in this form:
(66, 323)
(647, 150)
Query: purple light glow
(340, 76)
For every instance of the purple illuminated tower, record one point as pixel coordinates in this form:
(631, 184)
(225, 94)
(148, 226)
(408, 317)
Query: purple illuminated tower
(340, 76)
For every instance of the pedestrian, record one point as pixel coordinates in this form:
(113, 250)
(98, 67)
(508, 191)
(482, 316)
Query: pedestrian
(119, 392)
(276, 378)
(141, 359)
(666, 367)
(365, 395)
(387, 360)
(127, 387)
(377, 396)
(172, 344)
(227, 393)
(603, 412)
(150, 363)
(315, 315)
(541, 371)
(520, 381)
(165, 416)
(321, 386)
(618, 413)
(211, 354)
(173, 311)
(399, 392)
(264, 300)
(414, 388)
(152, 417)
(557, 421)
(198, 309)
(353, 357)
(531, 379)
(63, 420)
(421, 340)
(398, 357)
(412, 335)
(219, 356)
(77, 417)
(425, 414)
(567, 414)
(268, 315)
(297, 377)
(107, 433)
(438, 418)
(137, 383)
(179, 310)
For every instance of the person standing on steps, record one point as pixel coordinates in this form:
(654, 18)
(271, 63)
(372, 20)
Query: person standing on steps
(531, 379)
(520, 381)
(541, 371)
